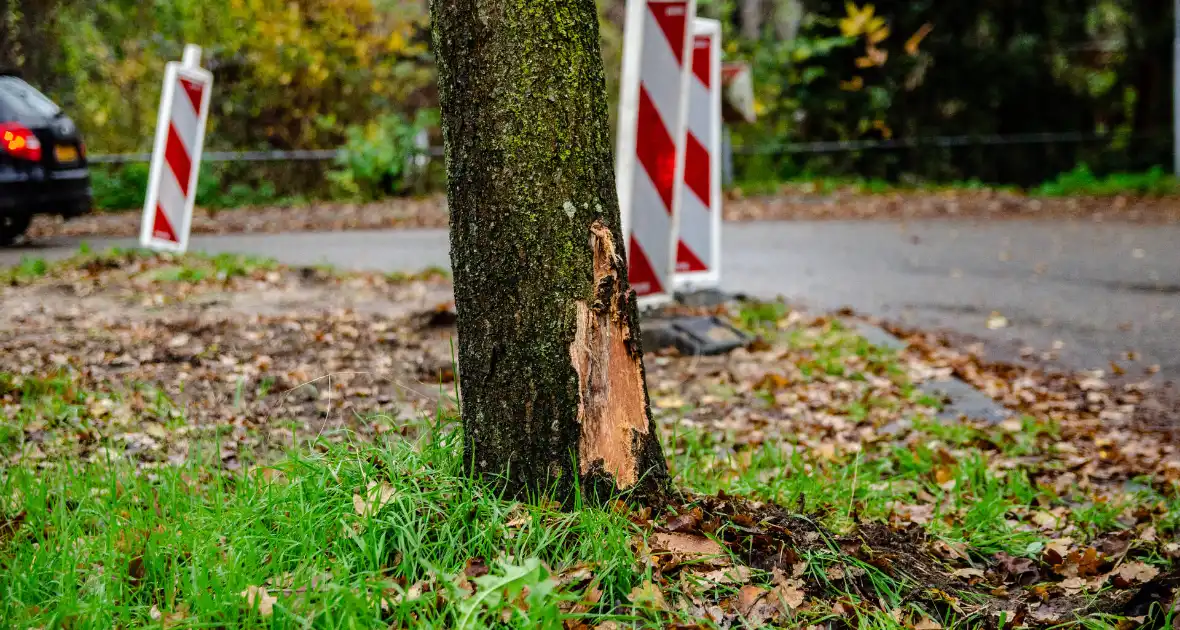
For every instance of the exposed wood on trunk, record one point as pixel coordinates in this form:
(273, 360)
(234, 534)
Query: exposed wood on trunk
(551, 373)
(612, 400)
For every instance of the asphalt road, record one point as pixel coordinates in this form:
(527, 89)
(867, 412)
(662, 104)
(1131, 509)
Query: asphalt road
(1087, 292)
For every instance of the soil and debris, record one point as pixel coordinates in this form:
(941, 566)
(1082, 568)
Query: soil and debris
(847, 480)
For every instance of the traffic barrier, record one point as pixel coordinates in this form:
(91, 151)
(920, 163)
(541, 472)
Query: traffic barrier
(698, 253)
(652, 125)
(176, 154)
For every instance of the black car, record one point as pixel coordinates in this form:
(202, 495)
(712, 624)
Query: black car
(42, 160)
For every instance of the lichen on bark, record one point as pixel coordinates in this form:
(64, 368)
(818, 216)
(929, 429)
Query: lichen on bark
(552, 380)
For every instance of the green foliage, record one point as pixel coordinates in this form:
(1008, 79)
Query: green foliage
(895, 69)
(290, 74)
(757, 316)
(1082, 181)
(378, 158)
(30, 268)
(124, 188)
(120, 189)
(498, 596)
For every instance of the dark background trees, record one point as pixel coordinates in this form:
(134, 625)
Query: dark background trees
(1097, 68)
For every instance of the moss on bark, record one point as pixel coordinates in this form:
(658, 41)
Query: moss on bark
(532, 198)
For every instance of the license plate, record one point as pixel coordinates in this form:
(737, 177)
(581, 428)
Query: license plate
(65, 154)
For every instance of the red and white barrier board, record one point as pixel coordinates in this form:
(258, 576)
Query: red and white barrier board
(698, 252)
(650, 158)
(176, 156)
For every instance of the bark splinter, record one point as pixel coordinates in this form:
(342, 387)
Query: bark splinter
(611, 394)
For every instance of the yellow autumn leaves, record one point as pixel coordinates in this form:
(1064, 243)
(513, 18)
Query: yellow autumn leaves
(290, 73)
(863, 22)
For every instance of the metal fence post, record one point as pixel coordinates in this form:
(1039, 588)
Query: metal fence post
(1176, 88)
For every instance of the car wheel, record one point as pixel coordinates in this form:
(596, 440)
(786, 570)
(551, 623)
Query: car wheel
(12, 226)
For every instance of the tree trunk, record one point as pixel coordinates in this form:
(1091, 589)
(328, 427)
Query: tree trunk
(551, 371)
(752, 19)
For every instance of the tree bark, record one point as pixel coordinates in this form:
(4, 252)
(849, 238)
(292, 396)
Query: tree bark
(551, 372)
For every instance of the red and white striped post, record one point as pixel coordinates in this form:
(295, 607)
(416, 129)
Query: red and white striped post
(176, 155)
(698, 254)
(650, 157)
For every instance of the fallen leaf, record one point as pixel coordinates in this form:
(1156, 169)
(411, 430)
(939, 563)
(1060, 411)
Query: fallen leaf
(725, 575)
(748, 596)
(1057, 550)
(688, 521)
(950, 550)
(1073, 585)
(9, 526)
(1045, 520)
(1020, 570)
(477, 567)
(968, 572)
(376, 496)
(927, 623)
(1080, 564)
(754, 605)
(789, 593)
(1134, 573)
(257, 595)
(649, 596)
(687, 546)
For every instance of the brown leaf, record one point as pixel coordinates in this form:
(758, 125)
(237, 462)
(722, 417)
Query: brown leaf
(725, 575)
(748, 596)
(1056, 551)
(9, 526)
(649, 596)
(375, 497)
(754, 605)
(475, 567)
(789, 594)
(950, 550)
(1020, 570)
(967, 573)
(687, 522)
(136, 570)
(772, 382)
(688, 547)
(926, 623)
(1133, 573)
(1081, 564)
(1073, 585)
(258, 595)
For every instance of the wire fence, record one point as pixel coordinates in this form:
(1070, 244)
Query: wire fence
(313, 155)
(834, 146)
(840, 146)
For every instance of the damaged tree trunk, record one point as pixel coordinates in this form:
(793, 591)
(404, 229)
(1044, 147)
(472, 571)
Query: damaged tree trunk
(551, 373)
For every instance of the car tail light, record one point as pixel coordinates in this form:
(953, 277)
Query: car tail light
(19, 142)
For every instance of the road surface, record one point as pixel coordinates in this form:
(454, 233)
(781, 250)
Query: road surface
(1089, 292)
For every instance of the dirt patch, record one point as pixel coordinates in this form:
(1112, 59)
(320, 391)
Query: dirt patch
(426, 212)
(975, 205)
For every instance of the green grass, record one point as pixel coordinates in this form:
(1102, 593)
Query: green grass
(196, 268)
(827, 185)
(29, 269)
(1082, 181)
(103, 546)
